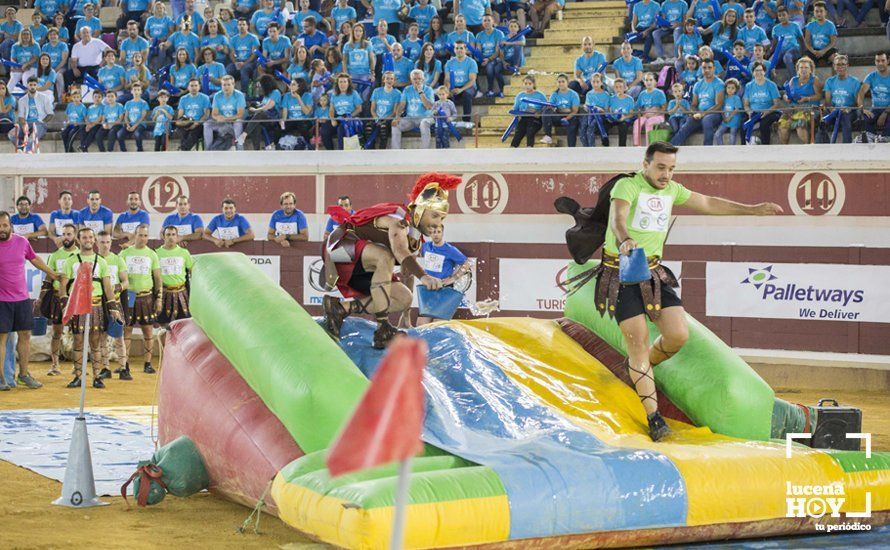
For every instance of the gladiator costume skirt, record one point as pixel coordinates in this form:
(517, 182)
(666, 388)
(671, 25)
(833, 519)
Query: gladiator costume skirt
(97, 318)
(51, 305)
(176, 304)
(143, 310)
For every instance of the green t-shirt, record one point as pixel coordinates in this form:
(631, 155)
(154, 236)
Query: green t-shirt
(116, 266)
(56, 262)
(174, 263)
(99, 272)
(140, 265)
(650, 212)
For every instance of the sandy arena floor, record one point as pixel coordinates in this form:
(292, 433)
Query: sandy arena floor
(203, 521)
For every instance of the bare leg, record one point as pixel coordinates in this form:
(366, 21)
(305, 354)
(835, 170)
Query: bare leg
(674, 334)
(96, 352)
(128, 342)
(24, 349)
(636, 339)
(56, 347)
(78, 353)
(3, 338)
(148, 337)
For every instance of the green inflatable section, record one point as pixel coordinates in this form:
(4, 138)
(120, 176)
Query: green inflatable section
(301, 375)
(706, 379)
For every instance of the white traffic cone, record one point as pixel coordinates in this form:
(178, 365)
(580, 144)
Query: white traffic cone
(79, 487)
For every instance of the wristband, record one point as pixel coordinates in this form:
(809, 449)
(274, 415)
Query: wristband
(624, 241)
(411, 266)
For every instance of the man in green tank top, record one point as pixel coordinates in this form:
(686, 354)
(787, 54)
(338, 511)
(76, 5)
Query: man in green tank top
(117, 274)
(101, 289)
(144, 272)
(639, 217)
(49, 305)
(176, 266)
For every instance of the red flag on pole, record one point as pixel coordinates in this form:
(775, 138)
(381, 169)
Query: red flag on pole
(80, 300)
(387, 424)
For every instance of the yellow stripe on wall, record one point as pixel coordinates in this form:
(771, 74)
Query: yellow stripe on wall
(438, 524)
(727, 479)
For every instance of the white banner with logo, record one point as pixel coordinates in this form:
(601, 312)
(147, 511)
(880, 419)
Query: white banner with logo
(533, 285)
(822, 292)
(313, 297)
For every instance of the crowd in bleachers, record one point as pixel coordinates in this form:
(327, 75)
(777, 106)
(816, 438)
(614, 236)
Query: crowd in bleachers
(360, 73)
(264, 74)
(733, 72)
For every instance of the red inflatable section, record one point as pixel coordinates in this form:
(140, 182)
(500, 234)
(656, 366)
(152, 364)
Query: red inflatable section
(203, 397)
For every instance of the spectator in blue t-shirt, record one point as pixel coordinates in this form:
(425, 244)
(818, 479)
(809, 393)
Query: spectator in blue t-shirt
(674, 13)
(244, 47)
(25, 223)
(127, 222)
(678, 107)
(841, 97)
(643, 20)
(229, 228)
(762, 96)
(567, 104)
(344, 202)
(488, 42)
(384, 101)
(707, 107)
(460, 78)
(791, 36)
(820, 35)
(288, 224)
(630, 69)
(596, 105)
(877, 83)
(96, 216)
(442, 260)
(62, 217)
(189, 226)
(733, 110)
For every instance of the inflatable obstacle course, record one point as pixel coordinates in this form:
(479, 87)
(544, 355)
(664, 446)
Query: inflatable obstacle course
(530, 437)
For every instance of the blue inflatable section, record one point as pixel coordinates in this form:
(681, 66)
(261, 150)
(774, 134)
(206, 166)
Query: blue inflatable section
(555, 474)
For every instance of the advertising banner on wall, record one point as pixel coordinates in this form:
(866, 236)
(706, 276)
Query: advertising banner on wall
(536, 285)
(820, 292)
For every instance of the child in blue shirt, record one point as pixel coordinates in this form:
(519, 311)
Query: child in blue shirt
(76, 114)
(732, 114)
(596, 102)
(162, 115)
(678, 107)
(621, 111)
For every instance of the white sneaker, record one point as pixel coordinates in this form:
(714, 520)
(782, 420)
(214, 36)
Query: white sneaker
(880, 139)
(546, 140)
(859, 139)
(872, 138)
(270, 147)
(660, 60)
(478, 94)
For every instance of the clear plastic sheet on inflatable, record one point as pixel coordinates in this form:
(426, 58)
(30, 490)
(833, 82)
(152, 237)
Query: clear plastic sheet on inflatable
(559, 479)
(38, 440)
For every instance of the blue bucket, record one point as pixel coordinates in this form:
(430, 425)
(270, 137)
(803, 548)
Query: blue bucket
(38, 328)
(634, 268)
(115, 328)
(131, 298)
(438, 304)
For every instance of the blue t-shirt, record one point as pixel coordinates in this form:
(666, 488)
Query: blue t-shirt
(283, 224)
(321, 112)
(402, 68)
(645, 13)
(59, 219)
(275, 50)
(135, 5)
(422, 15)
(752, 36)
(760, 96)
(704, 14)
(162, 117)
(159, 27)
(428, 76)
(459, 71)
(294, 109)
(412, 48)
(441, 261)
(721, 37)
(488, 43)
(97, 221)
(11, 30)
(48, 78)
(628, 69)
(231, 27)
(345, 104)
(28, 224)
(621, 105)
(261, 19)
(879, 86)
(49, 7)
(738, 8)
(414, 106)
(128, 222)
(221, 228)
(112, 77)
(135, 109)
(689, 43)
(597, 100)
(76, 112)
(182, 75)
(473, 10)
(38, 33)
(762, 17)
(454, 37)
(188, 42)
(385, 101)
(342, 15)
(194, 106)
(93, 23)
(298, 71)
(244, 46)
(23, 54)
(651, 100)
(197, 21)
(114, 114)
(379, 43)
(520, 105)
(706, 92)
(228, 105)
(684, 108)
(821, 33)
(300, 15)
(55, 52)
(95, 112)
(843, 92)
(214, 42)
(185, 225)
(245, 5)
(566, 99)
(792, 33)
(358, 60)
(316, 39)
(215, 70)
(129, 47)
(733, 103)
(587, 66)
(674, 10)
(387, 10)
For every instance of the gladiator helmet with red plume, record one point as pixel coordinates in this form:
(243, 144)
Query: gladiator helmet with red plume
(430, 192)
